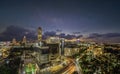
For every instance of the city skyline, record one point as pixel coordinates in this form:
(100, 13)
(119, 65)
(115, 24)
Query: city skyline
(59, 37)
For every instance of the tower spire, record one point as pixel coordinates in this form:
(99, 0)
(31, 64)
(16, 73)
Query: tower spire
(39, 34)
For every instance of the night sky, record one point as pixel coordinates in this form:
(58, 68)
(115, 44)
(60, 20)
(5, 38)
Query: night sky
(84, 16)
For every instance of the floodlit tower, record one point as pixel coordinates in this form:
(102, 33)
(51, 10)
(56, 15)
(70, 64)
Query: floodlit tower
(14, 41)
(24, 40)
(39, 34)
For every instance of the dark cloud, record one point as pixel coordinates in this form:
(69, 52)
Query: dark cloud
(69, 36)
(108, 37)
(19, 32)
(16, 32)
(76, 32)
(94, 35)
(61, 35)
(51, 33)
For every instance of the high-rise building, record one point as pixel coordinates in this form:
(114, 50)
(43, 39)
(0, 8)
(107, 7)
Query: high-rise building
(14, 41)
(39, 34)
(24, 40)
(62, 43)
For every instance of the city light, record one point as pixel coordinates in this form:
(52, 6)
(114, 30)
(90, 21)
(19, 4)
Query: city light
(59, 37)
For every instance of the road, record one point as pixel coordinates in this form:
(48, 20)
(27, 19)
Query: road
(72, 67)
(69, 69)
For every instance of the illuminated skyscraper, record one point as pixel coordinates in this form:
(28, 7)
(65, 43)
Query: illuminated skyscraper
(62, 43)
(39, 34)
(24, 40)
(14, 41)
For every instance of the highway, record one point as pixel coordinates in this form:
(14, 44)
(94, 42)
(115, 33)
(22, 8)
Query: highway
(72, 67)
(69, 68)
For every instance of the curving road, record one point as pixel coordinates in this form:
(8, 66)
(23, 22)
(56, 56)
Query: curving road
(72, 67)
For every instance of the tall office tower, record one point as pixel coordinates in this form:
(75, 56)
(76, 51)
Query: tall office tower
(14, 41)
(24, 40)
(62, 43)
(39, 34)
